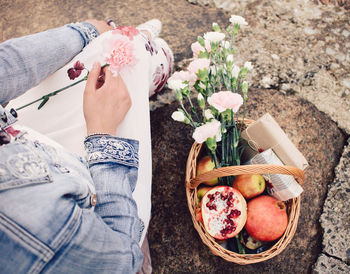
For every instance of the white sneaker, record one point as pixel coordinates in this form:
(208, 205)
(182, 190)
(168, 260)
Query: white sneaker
(153, 26)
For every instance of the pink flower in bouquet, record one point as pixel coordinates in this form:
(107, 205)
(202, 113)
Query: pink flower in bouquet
(76, 70)
(119, 54)
(184, 76)
(198, 64)
(197, 48)
(208, 130)
(226, 100)
(128, 31)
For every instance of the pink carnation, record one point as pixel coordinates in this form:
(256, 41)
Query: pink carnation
(198, 64)
(208, 130)
(226, 100)
(197, 48)
(118, 53)
(184, 76)
(128, 31)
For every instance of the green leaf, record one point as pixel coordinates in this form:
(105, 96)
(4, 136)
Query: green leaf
(178, 95)
(201, 41)
(203, 55)
(211, 144)
(43, 102)
(186, 91)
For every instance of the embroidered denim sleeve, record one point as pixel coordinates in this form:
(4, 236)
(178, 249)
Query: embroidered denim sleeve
(113, 165)
(87, 31)
(106, 148)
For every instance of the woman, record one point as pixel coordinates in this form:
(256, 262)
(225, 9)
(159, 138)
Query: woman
(50, 217)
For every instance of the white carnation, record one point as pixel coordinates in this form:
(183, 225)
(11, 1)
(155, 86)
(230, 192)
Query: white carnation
(229, 58)
(178, 116)
(202, 86)
(176, 84)
(236, 19)
(208, 114)
(248, 65)
(208, 130)
(214, 36)
(200, 96)
(225, 44)
(235, 71)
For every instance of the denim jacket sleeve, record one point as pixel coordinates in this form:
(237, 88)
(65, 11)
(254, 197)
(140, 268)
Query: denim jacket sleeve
(113, 164)
(26, 61)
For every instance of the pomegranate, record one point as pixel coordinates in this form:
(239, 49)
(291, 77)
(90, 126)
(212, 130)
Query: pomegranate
(224, 212)
(266, 218)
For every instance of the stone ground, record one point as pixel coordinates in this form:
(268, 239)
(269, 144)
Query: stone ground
(300, 51)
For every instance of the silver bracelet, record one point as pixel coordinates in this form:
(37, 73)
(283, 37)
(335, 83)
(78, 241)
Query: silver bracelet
(97, 133)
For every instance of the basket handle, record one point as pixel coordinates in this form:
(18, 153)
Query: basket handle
(297, 173)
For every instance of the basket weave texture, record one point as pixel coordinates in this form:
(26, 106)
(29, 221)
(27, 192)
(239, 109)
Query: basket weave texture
(293, 205)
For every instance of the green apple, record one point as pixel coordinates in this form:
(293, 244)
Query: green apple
(249, 185)
(205, 164)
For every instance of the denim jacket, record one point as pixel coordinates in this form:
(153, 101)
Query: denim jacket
(49, 219)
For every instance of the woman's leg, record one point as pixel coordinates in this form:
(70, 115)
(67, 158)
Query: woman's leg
(62, 117)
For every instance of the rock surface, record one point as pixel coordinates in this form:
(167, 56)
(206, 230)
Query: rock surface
(299, 47)
(326, 264)
(175, 244)
(335, 219)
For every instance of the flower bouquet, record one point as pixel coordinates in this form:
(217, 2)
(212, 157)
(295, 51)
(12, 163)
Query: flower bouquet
(212, 93)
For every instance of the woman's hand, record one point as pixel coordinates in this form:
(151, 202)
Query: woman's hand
(105, 103)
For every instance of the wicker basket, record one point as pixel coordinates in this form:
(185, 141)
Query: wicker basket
(293, 205)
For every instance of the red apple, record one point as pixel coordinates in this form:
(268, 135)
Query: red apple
(201, 192)
(266, 218)
(249, 185)
(224, 212)
(205, 164)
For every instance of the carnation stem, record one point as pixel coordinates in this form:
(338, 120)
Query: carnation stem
(213, 153)
(46, 97)
(187, 114)
(193, 109)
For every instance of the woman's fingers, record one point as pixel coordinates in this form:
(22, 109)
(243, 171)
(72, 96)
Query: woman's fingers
(93, 77)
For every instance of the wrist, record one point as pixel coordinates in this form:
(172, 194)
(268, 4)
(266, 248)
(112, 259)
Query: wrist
(100, 131)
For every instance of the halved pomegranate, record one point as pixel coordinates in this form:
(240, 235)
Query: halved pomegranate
(224, 212)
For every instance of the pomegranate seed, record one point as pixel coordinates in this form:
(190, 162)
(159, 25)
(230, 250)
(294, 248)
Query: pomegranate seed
(225, 210)
(229, 203)
(214, 207)
(208, 204)
(230, 194)
(217, 193)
